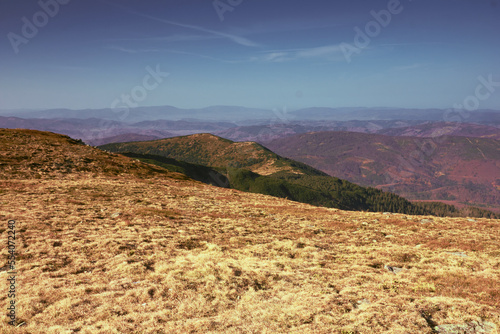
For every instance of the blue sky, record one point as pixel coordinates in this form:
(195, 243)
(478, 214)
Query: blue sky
(264, 53)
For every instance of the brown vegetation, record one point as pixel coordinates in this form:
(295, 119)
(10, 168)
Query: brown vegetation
(459, 169)
(152, 252)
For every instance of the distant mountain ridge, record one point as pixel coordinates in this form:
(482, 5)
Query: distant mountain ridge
(97, 131)
(239, 113)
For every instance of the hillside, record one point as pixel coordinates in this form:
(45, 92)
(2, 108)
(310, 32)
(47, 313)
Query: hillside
(213, 151)
(241, 169)
(460, 169)
(149, 251)
(196, 172)
(32, 154)
(122, 138)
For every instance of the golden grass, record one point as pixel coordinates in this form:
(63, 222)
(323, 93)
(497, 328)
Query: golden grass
(127, 255)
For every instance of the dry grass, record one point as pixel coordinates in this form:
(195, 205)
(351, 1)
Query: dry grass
(125, 255)
(128, 254)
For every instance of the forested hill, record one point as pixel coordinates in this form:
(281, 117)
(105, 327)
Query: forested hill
(253, 168)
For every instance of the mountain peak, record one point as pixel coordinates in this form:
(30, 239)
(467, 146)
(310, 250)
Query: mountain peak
(210, 150)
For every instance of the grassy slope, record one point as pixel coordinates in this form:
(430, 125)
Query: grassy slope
(142, 253)
(196, 172)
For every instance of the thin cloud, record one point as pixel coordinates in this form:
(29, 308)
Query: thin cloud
(128, 50)
(327, 52)
(322, 51)
(168, 39)
(135, 51)
(203, 56)
(234, 38)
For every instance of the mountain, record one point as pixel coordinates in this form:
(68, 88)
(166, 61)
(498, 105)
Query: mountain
(213, 151)
(107, 244)
(96, 131)
(268, 131)
(242, 114)
(460, 169)
(444, 129)
(249, 166)
(140, 114)
(370, 114)
(102, 126)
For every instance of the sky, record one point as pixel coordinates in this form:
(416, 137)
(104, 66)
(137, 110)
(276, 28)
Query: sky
(269, 54)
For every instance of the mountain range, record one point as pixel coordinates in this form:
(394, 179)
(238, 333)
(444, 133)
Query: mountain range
(96, 131)
(243, 114)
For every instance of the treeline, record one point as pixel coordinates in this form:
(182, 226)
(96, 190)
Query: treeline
(445, 210)
(349, 196)
(332, 192)
(319, 190)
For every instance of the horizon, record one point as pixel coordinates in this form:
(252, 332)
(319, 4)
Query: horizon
(286, 110)
(377, 54)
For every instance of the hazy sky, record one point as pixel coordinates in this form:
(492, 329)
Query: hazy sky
(254, 53)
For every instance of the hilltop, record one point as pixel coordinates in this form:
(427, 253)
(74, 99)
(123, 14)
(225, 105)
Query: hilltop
(213, 151)
(146, 250)
(33, 154)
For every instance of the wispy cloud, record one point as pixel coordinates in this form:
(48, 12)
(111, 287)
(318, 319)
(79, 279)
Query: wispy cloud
(327, 52)
(233, 38)
(236, 39)
(135, 51)
(275, 57)
(204, 56)
(128, 50)
(168, 39)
